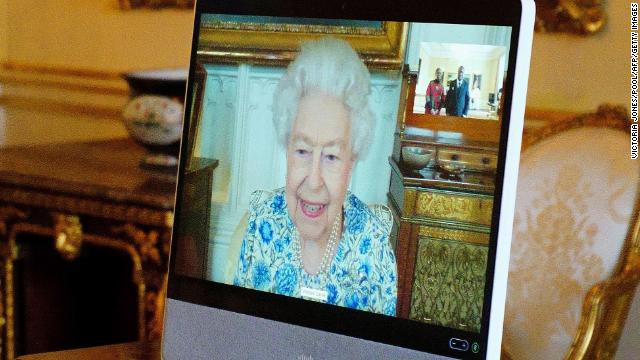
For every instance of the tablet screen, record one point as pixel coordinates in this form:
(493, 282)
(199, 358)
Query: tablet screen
(358, 167)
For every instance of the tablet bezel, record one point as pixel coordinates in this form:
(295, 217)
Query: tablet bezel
(375, 327)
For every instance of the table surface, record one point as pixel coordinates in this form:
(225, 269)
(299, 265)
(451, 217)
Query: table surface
(107, 169)
(127, 351)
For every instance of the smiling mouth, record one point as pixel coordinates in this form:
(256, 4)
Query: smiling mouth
(312, 210)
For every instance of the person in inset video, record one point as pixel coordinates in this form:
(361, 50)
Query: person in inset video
(435, 94)
(458, 95)
(313, 239)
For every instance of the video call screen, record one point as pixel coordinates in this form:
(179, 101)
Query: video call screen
(356, 163)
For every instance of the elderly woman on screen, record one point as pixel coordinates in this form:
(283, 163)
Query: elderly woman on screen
(314, 239)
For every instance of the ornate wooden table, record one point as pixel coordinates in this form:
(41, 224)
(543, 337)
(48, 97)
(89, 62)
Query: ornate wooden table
(82, 215)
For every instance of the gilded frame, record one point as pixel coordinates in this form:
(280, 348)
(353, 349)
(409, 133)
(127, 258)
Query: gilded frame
(277, 44)
(606, 305)
(582, 17)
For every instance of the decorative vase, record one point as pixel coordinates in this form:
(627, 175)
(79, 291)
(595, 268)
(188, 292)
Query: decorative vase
(153, 115)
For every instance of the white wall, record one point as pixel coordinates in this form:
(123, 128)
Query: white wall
(445, 33)
(237, 129)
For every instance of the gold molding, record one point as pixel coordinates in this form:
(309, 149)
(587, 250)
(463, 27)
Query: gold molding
(454, 235)
(607, 115)
(146, 241)
(61, 90)
(9, 309)
(61, 71)
(65, 78)
(458, 207)
(278, 44)
(63, 83)
(68, 234)
(131, 213)
(548, 115)
(410, 196)
(62, 107)
(572, 16)
(8, 213)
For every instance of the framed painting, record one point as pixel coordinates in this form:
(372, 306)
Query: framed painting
(275, 41)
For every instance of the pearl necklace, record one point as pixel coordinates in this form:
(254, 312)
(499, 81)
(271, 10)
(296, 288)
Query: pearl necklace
(331, 246)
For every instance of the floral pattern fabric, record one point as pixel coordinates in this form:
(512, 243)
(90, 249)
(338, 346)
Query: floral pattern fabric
(362, 274)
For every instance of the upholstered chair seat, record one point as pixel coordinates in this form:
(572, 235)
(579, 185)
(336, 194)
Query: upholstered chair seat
(576, 211)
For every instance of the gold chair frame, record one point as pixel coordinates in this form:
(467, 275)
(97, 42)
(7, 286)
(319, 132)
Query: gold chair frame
(606, 305)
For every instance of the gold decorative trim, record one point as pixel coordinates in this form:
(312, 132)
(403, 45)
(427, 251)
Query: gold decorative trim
(531, 113)
(9, 213)
(161, 218)
(604, 312)
(606, 116)
(458, 207)
(293, 28)
(454, 235)
(61, 71)
(60, 107)
(156, 324)
(146, 241)
(68, 234)
(607, 304)
(573, 16)
(449, 282)
(278, 44)
(410, 196)
(63, 84)
(9, 309)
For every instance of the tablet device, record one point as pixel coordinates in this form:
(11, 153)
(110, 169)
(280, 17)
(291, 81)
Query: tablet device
(347, 179)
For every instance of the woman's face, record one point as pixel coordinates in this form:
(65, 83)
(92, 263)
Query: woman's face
(319, 163)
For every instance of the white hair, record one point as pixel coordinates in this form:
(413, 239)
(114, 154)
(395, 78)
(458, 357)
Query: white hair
(331, 66)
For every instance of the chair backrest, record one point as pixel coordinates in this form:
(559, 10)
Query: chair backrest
(576, 203)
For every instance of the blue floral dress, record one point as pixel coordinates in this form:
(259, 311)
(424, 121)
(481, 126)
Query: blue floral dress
(362, 274)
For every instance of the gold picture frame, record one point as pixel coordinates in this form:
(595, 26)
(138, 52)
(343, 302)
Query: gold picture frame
(582, 17)
(276, 43)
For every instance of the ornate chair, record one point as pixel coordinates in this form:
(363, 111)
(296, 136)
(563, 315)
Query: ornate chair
(575, 255)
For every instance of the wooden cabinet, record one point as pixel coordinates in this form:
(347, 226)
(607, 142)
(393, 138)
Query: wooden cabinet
(195, 208)
(84, 244)
(441, 248)
(442, 214)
